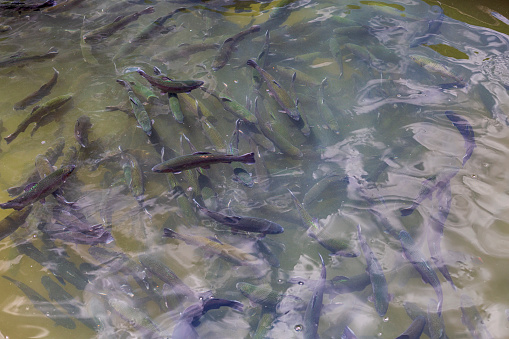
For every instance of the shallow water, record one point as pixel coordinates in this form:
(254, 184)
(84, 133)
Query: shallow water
(393, 135)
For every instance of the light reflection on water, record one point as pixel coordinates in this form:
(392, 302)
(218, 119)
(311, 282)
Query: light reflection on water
(393, 135)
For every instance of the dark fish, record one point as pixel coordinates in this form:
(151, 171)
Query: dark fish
(228, 252)
(243, 223)
(22, 6)
(39, 94)
(81, 128)
(472, 319)
(13, 221)
(466, 131)
(280, 95)
(414, 311)
(41, 189)
(43, 305)
(62, 6)
(234, 107)
(312, 315)
(376, 275)
(38, 114)
(415, 329)
(101, 33)
(417, 259)
(167, 85)
(191, 316)
(200, 159)
(269, 256)
(18, 60)
(229, 46)
(432, 30)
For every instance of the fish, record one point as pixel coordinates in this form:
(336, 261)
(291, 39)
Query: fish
(435, 321)
(363, 53)
(137, 318)
(43, 305)
(376, 275)
(144, 92)
(227, 252)
(435, 67)
(62, 6)
(466, 131)
(20, 60)
(99, 34)
(262, 295)
(38, 114)
(314, 308)
(191, 316)
(308, 221)
(229, 45)
(330, 180)
(175, 109)
(280, 95)
(199, 159)
(415, 329)
(432, 30)
(40, 190)
(415, 311)
(213, 135)
(36, 96)
(472, 319)
(240, 174)
(417, 259)
(264, 324)
(262, 61)
(133, 175)
(233, 107)
(139, 111)
(325, 110)
(243, 223)
(13, 221)
(167, 85)
(81, 128)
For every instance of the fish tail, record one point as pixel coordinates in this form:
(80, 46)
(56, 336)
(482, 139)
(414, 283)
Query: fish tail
(406, 211)
(248, 158)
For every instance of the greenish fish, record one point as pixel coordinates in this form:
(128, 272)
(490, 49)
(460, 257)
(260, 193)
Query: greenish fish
(376, 274)
(175, 109)
(325, 110)
(43, 305)
(229, 45)
(415, 329)
(138, 109)
(39, 94)
(262, 295)
(81, 128)
(434, 67)
(20, 60)
(200, 159)
(133, 175)
(234, 107)
(280, 95)
(472, 319)
(230, 253)
(239, 170)
(435, 321)
(13, 221)
(306, 218)
(314, 308)
(40, 190)
(101, 33)
(38, 113)
(167, 85)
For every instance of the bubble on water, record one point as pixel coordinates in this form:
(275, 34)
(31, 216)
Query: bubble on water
(474, 176)
(386, 319)
(301, 282)
(298, 328)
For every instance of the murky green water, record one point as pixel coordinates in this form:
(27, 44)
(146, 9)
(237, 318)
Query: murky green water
(393, 135)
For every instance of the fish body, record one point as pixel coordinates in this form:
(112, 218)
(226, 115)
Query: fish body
(472, 319)
(44, 305)
(306, 218)
(42, 189)
(138, 318)
(415, 329)
(280, 95)
(417, 259)
(228, 252)
(101, 33)
(200, 159)
(166, 85)
(234, 107)
(133, 175)
(325, 110)
(362, 53)
(229, 45)
(434, 67)
(39, 113)
(262, 61)
(466, 131)
(435, 321)
(175, 109)
(262, 295)
(81, 128)
(17, 60)
(312, 315)
(39, 94)
(62, 6)
(13, 221)
(433, 28)
(243, 223)
(139, 111)
(376, 275)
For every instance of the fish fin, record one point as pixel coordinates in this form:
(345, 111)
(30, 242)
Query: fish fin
(198, 153)
(228, 40)
(275, 82)
(118, 18)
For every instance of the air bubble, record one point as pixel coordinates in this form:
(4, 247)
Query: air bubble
(298, 328)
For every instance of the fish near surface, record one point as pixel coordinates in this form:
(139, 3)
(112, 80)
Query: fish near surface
(243, 223)
(472, 319)
(229, 45)
(17, 60)
(137, 108)
(200, 159)
(312, 315)
(376, 275)
(40, 190)
(167, 85)
(466, 131)
(81, 128)
(39, 94)
(415, 329)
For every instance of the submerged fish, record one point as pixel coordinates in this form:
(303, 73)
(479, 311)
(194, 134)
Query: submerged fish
(200, 159)
(43, 305)
(18, 60)
(120, 22)
(262, 295)
(167, 85)
(40, 190)
(280, 95)
(228, 46)
(466, 131)
(472, 319)
(314, 308)
(139, 111)
(434, 67)
(433, 27)
(39, 94)
(234, 107)
(139, 319)
(376, 275)
(13, 221)
(81, 128)
(228, 252)
(243, 223)
(415, 329)
(38, 114)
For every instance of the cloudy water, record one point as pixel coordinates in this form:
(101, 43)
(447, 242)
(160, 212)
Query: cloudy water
(379, 133)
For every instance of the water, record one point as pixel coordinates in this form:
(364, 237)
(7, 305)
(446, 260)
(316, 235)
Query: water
(393, 135)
